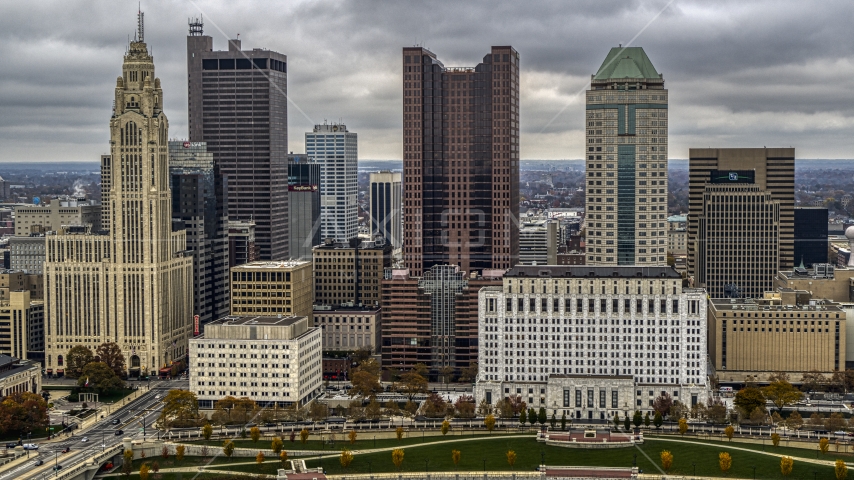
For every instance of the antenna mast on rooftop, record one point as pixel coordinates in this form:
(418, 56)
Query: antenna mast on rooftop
(196, 27)
(140, 27)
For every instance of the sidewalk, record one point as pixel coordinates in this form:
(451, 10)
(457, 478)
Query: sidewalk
(829, 463)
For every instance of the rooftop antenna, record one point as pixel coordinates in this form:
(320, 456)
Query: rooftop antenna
(196, 26)
(140, 27)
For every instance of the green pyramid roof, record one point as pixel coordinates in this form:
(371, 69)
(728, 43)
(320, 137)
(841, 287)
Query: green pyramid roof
(627, 62)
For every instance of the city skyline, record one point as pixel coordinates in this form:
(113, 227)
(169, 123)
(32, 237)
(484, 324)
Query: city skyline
(781, 82)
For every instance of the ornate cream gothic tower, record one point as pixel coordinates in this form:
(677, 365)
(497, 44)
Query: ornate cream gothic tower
(132, 285)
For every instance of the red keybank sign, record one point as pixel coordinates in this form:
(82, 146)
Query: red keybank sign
(302, 188)
(195, 325)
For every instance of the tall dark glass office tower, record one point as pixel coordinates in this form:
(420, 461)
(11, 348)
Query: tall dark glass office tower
(386, 219)
(238, 106)
(460, 161)
(303, 205)
(199, 202)
(810, 237)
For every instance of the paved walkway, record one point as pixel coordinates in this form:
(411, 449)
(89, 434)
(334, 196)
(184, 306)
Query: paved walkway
(750, 450)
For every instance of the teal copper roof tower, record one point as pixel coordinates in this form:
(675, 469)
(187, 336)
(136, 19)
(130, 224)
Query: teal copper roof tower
(626, 161)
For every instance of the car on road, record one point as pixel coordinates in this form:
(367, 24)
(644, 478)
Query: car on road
(66, 450)
(84, 439)
(119, 432)
(269, 424)
(57, 467)
(116, 421)
(11, 445)
(39, 462)
(31, 446)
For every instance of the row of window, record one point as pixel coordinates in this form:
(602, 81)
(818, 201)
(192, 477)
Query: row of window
(242, 374)
(202, 346)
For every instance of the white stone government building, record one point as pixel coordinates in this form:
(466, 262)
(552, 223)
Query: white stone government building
(592, 341)
(275, 361)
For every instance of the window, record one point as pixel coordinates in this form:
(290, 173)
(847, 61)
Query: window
(614, 399)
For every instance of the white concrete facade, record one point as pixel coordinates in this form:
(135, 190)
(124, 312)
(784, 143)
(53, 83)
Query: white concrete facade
(619, 322)
(336, 150)
(272, 360)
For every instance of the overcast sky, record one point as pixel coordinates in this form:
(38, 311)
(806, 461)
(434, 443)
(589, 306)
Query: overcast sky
(740, 73)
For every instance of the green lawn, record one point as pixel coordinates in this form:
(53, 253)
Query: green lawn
(782, 450)
(188, 461)
(528, 457)
(528, 451)
(110, 397)
(363, 441)
(268, 468)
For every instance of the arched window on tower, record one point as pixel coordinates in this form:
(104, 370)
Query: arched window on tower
(130, 135)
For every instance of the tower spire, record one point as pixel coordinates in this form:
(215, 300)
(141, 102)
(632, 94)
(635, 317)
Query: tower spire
(140, 26)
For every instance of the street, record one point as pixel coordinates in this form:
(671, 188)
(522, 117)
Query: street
(101, 435)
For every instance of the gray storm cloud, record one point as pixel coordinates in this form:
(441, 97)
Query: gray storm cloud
(739, 73)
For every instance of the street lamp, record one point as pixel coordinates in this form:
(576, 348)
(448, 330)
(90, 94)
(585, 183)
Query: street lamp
(694, 464)
(542, 458)
(369, 467)
(426, 462)
(635, 460)
(484, 465)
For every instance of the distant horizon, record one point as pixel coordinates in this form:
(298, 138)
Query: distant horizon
(96, 162)
(16, 164)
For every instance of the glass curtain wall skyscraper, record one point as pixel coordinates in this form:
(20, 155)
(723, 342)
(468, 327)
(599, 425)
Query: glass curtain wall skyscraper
(386, 219)
(200, 203)
(303, 205)
(336, 150)
(460, 161)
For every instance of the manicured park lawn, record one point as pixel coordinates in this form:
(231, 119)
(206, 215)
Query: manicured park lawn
(781, 450)
(473, 453)
(188, 461)
(363, 441)
(528, 451)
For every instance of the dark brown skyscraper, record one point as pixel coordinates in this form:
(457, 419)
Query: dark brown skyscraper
(461, 161)
(238, 105)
